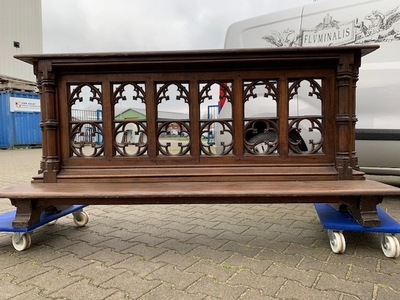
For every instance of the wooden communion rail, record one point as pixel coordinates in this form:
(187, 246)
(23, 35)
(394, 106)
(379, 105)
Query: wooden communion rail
(142, 136)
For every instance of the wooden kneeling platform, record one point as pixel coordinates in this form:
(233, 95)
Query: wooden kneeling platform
(360, 196)
(109, 136)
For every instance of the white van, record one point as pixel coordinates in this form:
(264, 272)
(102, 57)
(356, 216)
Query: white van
(346, 22)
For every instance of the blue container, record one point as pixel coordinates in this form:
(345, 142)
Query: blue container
(19, 119)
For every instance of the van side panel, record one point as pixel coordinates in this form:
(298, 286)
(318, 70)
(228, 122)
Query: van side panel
(278, 30)
(345, 22)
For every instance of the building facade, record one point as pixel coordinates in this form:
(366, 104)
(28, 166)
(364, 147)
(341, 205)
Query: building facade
(21, 33)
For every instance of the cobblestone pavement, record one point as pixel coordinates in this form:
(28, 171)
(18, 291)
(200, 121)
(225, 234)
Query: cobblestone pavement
(190, 252)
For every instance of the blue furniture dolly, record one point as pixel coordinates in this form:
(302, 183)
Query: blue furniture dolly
(21, 239)
(335, 222)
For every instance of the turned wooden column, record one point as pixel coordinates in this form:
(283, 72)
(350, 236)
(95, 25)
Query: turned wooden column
(353, 154)
(39, 75)
(344, 115)
(49, 122)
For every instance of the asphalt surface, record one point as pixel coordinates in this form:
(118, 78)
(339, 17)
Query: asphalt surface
(191, 252)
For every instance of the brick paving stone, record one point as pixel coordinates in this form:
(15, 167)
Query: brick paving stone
(138, 266)
(125, 224)
(131, 284)
(81, 249)
(181, 262)
(297, 239)
(115, 244)
(97, 273)
(315, 234)
(66, 263)
(272, 255)
(105, 229)
(306, 223)
(9, 289)
(200, 216)
(294, 232)
(296, 248)
(118, 296)
(33, 293)
(239, 238)
(369, 263)
(268, 284)
(302, 241)
(228, 210)
(245, 250)
(25, 270)
(241, 262)
(107, 257)
(59, 229)
(338, 270)
(207, 241)
(209, 286)
(151, 230)
(384, 292)
(51, 281)
(294, 290)
(214, 255)
(8, 260)
(306, 278)
(148, 239)
(219, 272)
(389, 266)
(226, 219)
(255, 231)
(361, 290)
(179, 235)
(238, 229)
(57, 242)
(357, 274)
(206, 230)
(181, 219)
(244, 214)
(145, 251)
(88, 237)
(261, 226)
(252, 294)
(278, 246)
(153, 221)
(180, 280)
(265, 241)
(167, 292)
(83, 290)
(204, 223)
(121, 234)
(177, 245)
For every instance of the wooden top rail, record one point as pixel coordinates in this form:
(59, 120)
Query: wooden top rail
(285, 114)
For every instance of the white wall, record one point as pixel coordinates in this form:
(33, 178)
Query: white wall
(21, 21)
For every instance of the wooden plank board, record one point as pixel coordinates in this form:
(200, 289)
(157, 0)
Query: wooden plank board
(199, 189)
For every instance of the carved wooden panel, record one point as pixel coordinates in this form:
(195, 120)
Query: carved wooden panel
(282, 111)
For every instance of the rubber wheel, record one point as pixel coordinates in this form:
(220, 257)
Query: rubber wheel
(391, 247)
(21, 241)
(338, 242)
(81, 218)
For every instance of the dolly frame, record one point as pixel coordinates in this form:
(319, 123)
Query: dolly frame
(335, 222)
(21, 238)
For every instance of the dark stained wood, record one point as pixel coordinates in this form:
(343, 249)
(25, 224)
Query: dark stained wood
(99, 158)
(223, 192)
